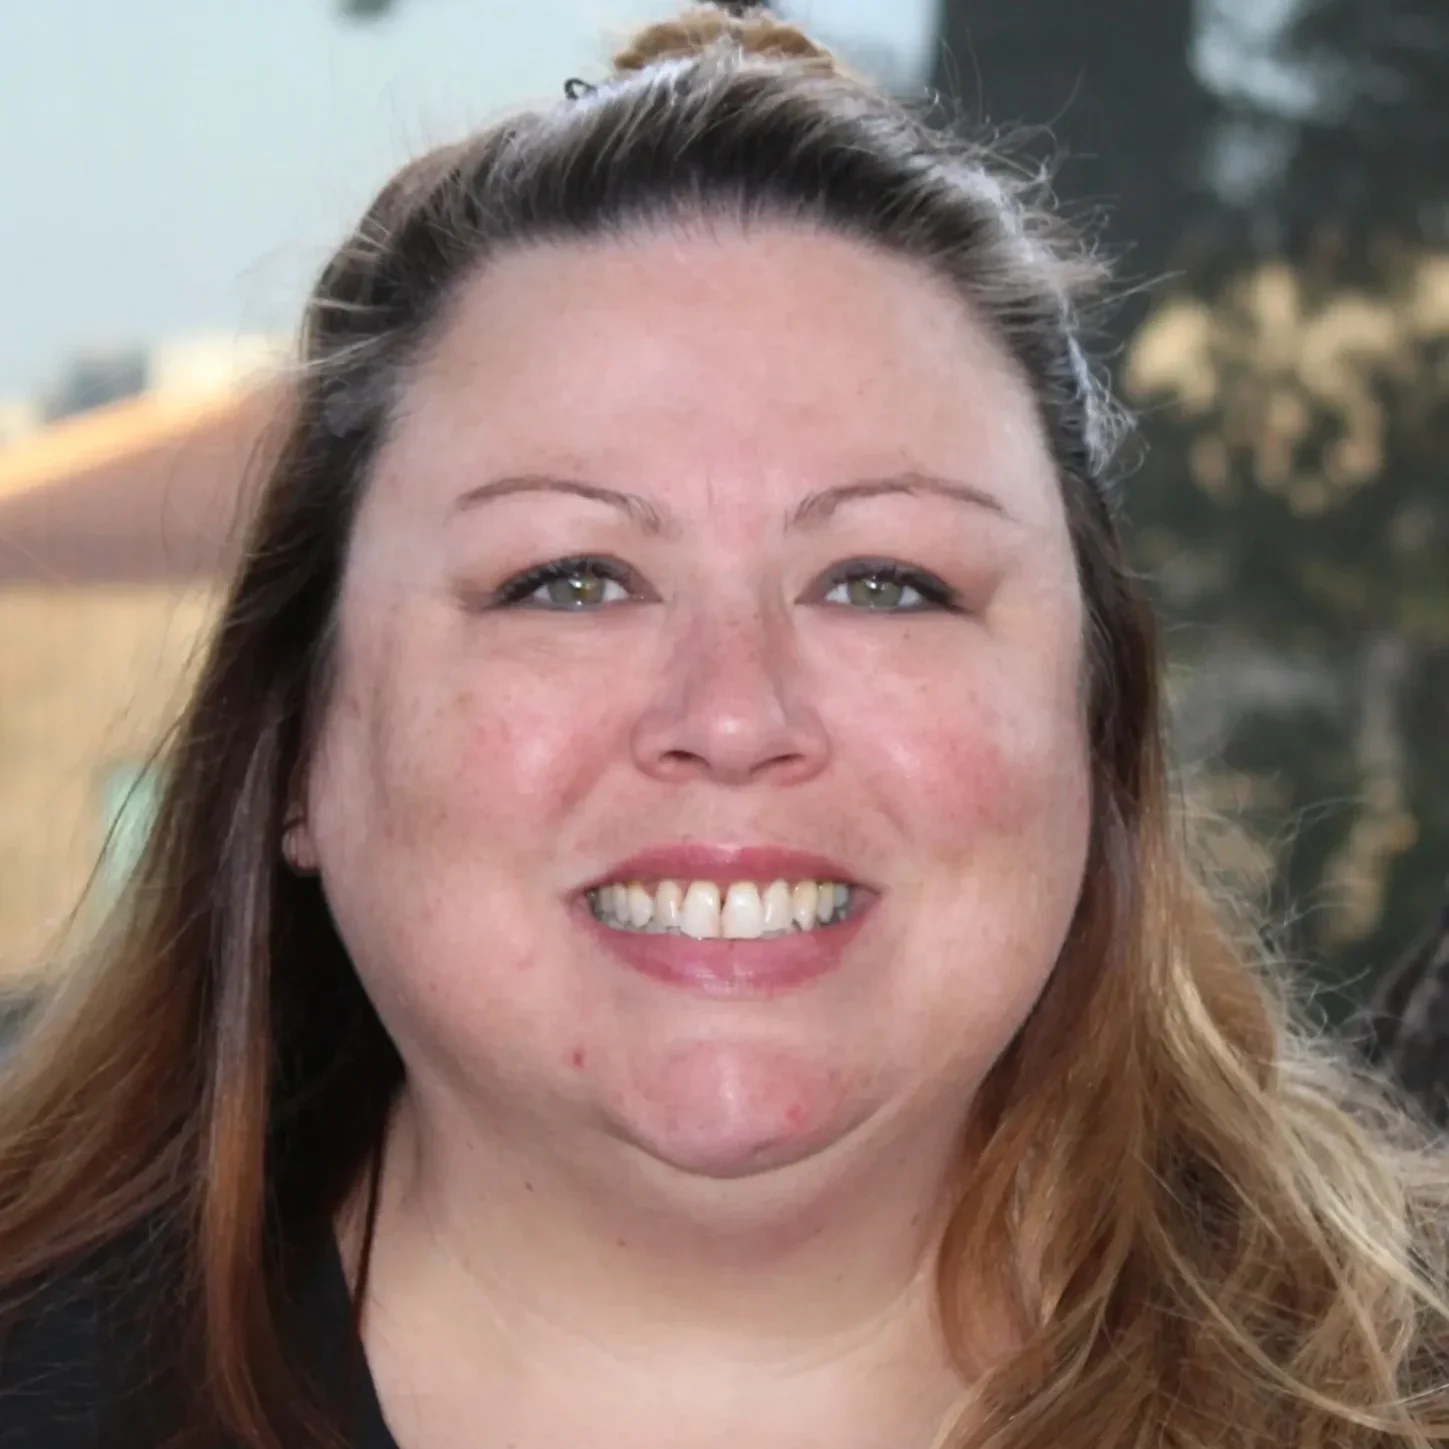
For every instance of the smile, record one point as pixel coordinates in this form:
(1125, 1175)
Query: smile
(704, 910)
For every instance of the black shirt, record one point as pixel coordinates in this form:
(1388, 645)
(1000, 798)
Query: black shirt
(68, 1376)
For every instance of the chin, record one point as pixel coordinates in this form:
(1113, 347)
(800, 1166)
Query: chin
(729, 1110)
(730, 1152)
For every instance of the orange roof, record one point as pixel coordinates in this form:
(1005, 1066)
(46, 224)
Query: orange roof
(104, 433)
(153, 487)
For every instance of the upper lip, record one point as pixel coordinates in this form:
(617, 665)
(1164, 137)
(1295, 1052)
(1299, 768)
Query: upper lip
(697, 861)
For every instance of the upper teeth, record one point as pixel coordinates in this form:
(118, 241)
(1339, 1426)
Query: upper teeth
(743, 910)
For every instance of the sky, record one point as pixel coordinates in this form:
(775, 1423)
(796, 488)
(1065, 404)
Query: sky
(171, 168)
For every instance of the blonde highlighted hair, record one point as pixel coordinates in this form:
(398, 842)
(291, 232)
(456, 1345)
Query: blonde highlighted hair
(1184, 1223)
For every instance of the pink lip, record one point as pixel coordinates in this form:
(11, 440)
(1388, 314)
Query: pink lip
(723, 863)
(730, 968)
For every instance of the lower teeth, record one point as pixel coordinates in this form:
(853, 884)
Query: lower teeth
(656, 930)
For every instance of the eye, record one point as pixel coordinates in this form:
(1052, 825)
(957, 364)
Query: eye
(573, 584)
(884, 587)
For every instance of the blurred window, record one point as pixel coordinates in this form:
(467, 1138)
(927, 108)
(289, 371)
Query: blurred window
(130, 795)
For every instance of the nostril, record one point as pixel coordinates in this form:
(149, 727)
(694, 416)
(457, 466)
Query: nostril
(712, 723)
(734, 763)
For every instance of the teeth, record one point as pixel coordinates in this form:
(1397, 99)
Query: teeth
(668, 904)
(740, 911)
(699, 917)
(777, 906)
(641, 906)
(743, 917)
(802, 904)
(824, 902)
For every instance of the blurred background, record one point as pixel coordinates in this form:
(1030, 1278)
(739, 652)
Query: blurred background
(1273, 174)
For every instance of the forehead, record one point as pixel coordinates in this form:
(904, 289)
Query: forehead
(792, 351)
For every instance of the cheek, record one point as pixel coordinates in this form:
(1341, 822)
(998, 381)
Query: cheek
(991, 752)
(437, 798)
(449, 761)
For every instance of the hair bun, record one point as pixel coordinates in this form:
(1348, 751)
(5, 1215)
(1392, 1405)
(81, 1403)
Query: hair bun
(749, 29)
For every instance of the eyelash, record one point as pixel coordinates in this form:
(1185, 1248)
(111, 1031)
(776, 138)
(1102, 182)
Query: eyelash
(936, 594)
(517, 590)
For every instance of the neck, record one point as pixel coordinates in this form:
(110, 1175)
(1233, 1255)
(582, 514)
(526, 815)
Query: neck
(530, 1254)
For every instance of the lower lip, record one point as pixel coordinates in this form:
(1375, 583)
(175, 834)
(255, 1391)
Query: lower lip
(731, 968)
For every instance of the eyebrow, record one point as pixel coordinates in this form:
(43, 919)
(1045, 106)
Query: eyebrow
(817, 508)
(813, 511)
(639, 510)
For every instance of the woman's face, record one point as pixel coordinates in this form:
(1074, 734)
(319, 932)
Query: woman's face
(701, 571)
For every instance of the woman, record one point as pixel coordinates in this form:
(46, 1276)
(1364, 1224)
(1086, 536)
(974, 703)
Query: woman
(666, 926)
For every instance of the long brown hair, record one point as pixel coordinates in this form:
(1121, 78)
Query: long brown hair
(1191, 1232)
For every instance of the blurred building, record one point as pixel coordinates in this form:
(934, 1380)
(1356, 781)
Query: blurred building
(118, 517)
(19, 416)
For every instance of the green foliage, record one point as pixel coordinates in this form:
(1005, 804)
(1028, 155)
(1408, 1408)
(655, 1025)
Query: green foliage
(1294, 508)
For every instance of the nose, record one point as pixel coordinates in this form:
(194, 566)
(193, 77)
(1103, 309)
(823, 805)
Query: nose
(733, 705)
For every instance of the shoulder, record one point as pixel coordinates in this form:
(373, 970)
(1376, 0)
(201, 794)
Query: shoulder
(95, 1356)
(73, 1356)
(52, 1375)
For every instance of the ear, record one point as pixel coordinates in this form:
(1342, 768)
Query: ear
(298, 844)
(299, 849)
